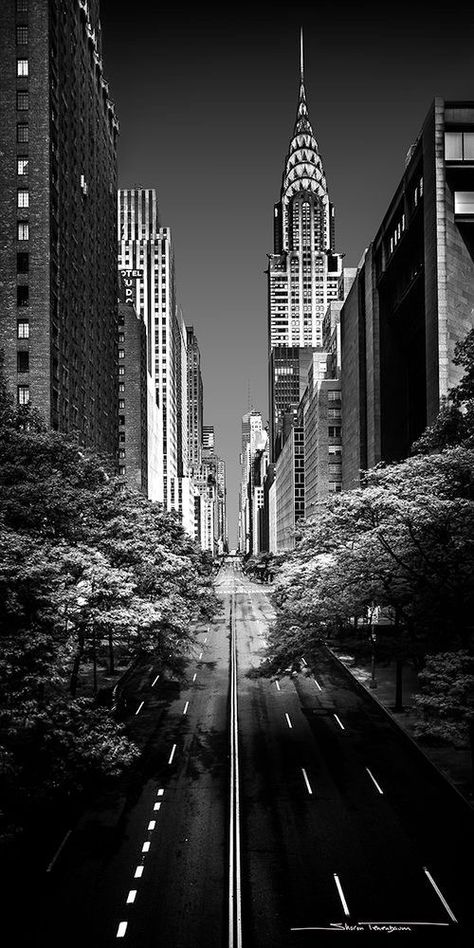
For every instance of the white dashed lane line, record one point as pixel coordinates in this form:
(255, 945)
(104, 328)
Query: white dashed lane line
(170, 761)
(341, 894)
(339, 723)
(379, 788)
(131, 896)
(140, 706)
(122, 929)
(185, 709)
(287, 716)
(439, 894)
(308, 785)
(155, 681)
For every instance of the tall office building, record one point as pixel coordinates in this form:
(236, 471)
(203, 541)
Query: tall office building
(413, 298)
(146, 260)
(253, 438)
(195, 399)
(304, 271)
(58, 287)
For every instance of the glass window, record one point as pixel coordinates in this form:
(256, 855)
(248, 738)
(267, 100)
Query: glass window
(22, 101)
(453, 146)
(121, 403)
(22, 6)
(22, 67)
(23, 230)
(121, 353)
(22, 166)
(121, 470)
(23, 394)
(22, 296)
(21, 34)
(22, 262)
(23, 362)
(22, 133)
(464, 202)
(468, 146)
(23, 329)
(23, 199)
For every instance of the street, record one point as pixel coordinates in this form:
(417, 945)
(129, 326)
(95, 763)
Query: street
(318, 823)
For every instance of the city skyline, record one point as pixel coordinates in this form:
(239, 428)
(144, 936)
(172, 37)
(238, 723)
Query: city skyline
(207, 109)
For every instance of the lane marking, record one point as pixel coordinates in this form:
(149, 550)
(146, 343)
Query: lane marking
(304, 661)
(308, 785)
(440, 895)
(139, 872)
(194, 676)
(186, 707)
(146, 847)
(288, 721)
(152, 824)
(140, 706)
(59, 850)
(235, 894)
(200, 656)
(205, 640)
(155, 681)
(317, 684)
(379, 788)
(161, 792)
(131, 896)
(170, 761)
(278, 685)
(157, 806)
(339, 723)
(341, 895)
(122, 929)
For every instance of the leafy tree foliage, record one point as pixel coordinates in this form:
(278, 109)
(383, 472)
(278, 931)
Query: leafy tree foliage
(90, 571)
(446, 697)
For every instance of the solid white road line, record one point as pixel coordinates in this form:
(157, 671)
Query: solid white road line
(155, 681)
(139, 872)
(59, 850)
(122, 929)
(379, 788)
(339, 723)
(341, 894)
(288, 721)
(170, 761)
(308, 785)
(131, 896)
(317, 684)
(439, 894)
(151, 825)
(185, 711)
(146, 847)
(140, 706)
(278, 685)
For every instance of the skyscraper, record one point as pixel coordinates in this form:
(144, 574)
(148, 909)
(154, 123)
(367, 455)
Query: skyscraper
(59, 290)
(304, 271)
(146, 259)
(195, 399)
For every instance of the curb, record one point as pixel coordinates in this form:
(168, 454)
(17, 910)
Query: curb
(395, 724)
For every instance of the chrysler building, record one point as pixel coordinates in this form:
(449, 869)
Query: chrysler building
(304, 272)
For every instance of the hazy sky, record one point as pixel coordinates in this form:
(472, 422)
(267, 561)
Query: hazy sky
(207, 106)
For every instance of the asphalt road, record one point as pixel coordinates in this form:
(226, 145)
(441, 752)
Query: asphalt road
(343, 835)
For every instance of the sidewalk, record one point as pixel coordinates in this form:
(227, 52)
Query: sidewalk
(453, 762)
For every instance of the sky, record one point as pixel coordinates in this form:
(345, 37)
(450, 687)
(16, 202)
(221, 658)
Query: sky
(207, 104)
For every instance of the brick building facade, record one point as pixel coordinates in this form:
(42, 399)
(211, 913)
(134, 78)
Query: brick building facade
(58, 274)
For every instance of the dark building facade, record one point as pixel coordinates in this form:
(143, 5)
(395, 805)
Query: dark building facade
(195, 399)
(58, 273)
(413, 298)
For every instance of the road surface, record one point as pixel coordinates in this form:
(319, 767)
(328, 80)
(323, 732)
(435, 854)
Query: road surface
(266, 813)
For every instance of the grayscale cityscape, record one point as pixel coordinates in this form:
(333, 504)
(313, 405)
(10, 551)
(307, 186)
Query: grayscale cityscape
(236, 475)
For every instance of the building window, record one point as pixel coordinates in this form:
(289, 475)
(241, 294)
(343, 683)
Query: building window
(121, 419)
(121, 370)
(21, 35)
(121, 403)
(22, 262)
(22, 166)
(23, 394)
(22, 67)
(121, 353)
(22, 6)
(121, 452)
(464, 203)
(122, 437)
(23, 198)
(22, 133)
(23, 362)
(459, 146)
(23, 230)
(23, 329)
(121, 470)
(22, 101)
(22, 296)
(121, 386)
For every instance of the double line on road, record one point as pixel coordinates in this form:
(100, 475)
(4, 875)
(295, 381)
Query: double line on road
(235, 892)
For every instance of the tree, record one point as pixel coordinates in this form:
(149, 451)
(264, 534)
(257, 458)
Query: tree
(445, 702)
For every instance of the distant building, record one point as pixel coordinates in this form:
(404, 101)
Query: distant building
(195, 399)
(323, 442)
(132, 389)
(304, 271)
(58, 180)
(413, 298)
(290, 489)
(146, 261)
(253, 438)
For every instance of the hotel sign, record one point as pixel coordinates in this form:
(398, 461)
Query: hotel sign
(130, 279)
